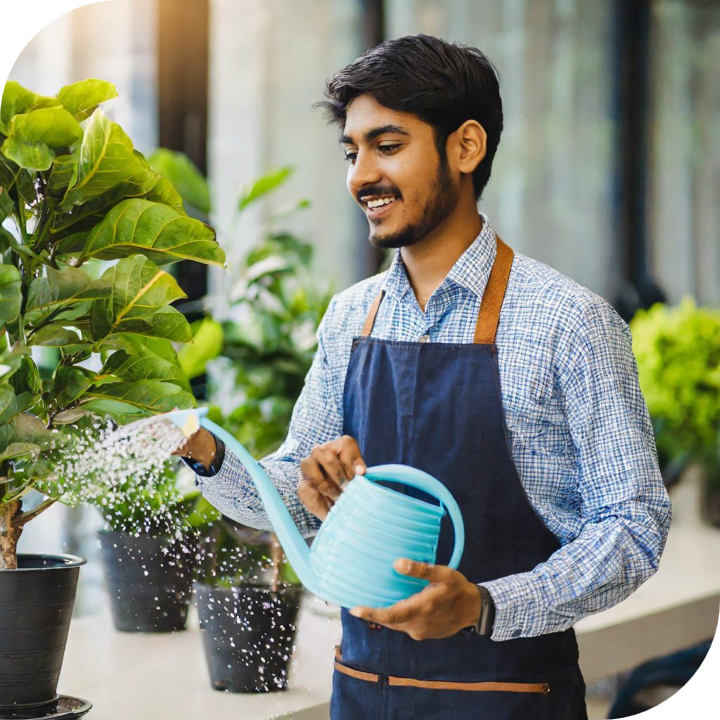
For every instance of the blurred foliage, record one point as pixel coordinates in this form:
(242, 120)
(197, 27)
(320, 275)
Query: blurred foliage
(678, 356)
(269, 344)
(261, 354)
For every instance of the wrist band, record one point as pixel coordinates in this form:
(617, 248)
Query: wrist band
(199, 469)
(484, 624)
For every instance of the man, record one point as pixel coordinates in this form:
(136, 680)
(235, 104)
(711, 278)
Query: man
(510, 383)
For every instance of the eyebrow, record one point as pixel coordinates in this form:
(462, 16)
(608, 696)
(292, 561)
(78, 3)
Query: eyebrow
(371, 134)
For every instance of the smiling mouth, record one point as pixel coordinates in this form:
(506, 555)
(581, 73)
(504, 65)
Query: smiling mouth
(378, 208)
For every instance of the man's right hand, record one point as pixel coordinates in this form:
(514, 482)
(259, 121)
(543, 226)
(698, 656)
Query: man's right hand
(199, 446)
(323, 473)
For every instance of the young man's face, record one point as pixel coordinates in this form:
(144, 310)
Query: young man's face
(392, 156)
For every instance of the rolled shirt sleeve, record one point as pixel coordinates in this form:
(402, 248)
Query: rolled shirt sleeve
(316, 419)
(624, 506)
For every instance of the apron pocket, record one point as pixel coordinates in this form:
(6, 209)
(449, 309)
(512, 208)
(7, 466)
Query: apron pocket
(412, 703)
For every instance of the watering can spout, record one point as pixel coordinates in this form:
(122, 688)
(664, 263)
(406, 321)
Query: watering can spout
(295, 547)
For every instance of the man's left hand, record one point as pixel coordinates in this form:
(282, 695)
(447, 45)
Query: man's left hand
(441, 609)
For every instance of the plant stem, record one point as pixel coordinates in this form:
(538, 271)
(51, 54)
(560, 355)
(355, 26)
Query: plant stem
(277, 558)
(31, 514)
(10, 533)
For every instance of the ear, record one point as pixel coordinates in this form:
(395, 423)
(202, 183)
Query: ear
(470, 141)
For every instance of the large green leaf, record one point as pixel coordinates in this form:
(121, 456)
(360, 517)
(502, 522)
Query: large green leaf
(164, 192)
(55, 127)
(143, 179)
(17, 99)
(60, 289)
(167, 323)
(158, 231)
(71, 383)
(148, 366)
(10, 293)
(83, 218)
(140, 302)
(62, 173)
(31, 156)
(8, 174)
(81, 98)
(24, 428)
(263, 185)
(144, 182)
(105, 159)
(187, 179)
(55, 335)
(15, 450)
(10, 403)
(151, 396)
(6, 201)
(27, 378)
(144, 347)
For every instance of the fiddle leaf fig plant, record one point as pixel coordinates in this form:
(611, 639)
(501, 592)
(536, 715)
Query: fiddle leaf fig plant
(86, 225)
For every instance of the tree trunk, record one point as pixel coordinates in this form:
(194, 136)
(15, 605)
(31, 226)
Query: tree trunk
(9, 534)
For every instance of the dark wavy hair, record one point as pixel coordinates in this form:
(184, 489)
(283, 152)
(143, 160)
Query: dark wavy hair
(442, 83)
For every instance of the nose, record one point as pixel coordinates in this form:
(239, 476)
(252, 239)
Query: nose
(362, 173)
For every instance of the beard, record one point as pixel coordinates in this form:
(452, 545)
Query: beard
(442, 200)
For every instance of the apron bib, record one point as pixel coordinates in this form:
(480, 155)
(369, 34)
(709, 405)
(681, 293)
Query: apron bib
(438, 407)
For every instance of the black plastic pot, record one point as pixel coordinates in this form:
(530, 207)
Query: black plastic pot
(36, 604)
(248, 634)
(149, 579)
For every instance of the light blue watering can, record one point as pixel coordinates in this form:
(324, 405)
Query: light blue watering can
(369, 527)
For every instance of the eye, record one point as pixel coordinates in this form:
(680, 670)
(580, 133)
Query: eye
(385, 149)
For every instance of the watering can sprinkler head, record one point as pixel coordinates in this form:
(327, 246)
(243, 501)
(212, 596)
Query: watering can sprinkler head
(187, 420)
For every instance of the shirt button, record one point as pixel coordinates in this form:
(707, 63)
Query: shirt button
(425, 338)
(516, 633)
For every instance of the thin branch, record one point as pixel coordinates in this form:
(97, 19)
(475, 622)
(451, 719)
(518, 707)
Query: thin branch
(31, 514)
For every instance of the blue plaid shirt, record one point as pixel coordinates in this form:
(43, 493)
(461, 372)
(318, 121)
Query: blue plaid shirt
(580, 431)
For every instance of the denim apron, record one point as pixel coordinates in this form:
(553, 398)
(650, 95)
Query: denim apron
(437, 407)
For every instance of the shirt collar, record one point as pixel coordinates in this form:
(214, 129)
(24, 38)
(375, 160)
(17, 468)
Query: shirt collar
(471, 271)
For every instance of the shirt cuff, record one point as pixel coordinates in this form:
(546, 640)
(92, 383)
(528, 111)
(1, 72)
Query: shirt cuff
(199, 469)
(518, 612)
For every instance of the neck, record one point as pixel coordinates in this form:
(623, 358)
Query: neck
(429, 260)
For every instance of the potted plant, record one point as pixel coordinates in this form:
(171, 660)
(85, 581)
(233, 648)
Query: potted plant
(75, 194)
(248, 599)
(149, 547)
(678, 355)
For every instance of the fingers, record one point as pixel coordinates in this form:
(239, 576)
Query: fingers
(332, 463)
(316, 503)
(324, 480)
(350, 457)
(424, 571)
(393, 616)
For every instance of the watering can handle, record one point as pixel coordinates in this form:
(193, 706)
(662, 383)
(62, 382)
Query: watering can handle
(427, 483)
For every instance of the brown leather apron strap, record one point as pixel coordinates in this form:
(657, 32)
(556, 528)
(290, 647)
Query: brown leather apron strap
(489, 315)
(370, 319)
(439, 684)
